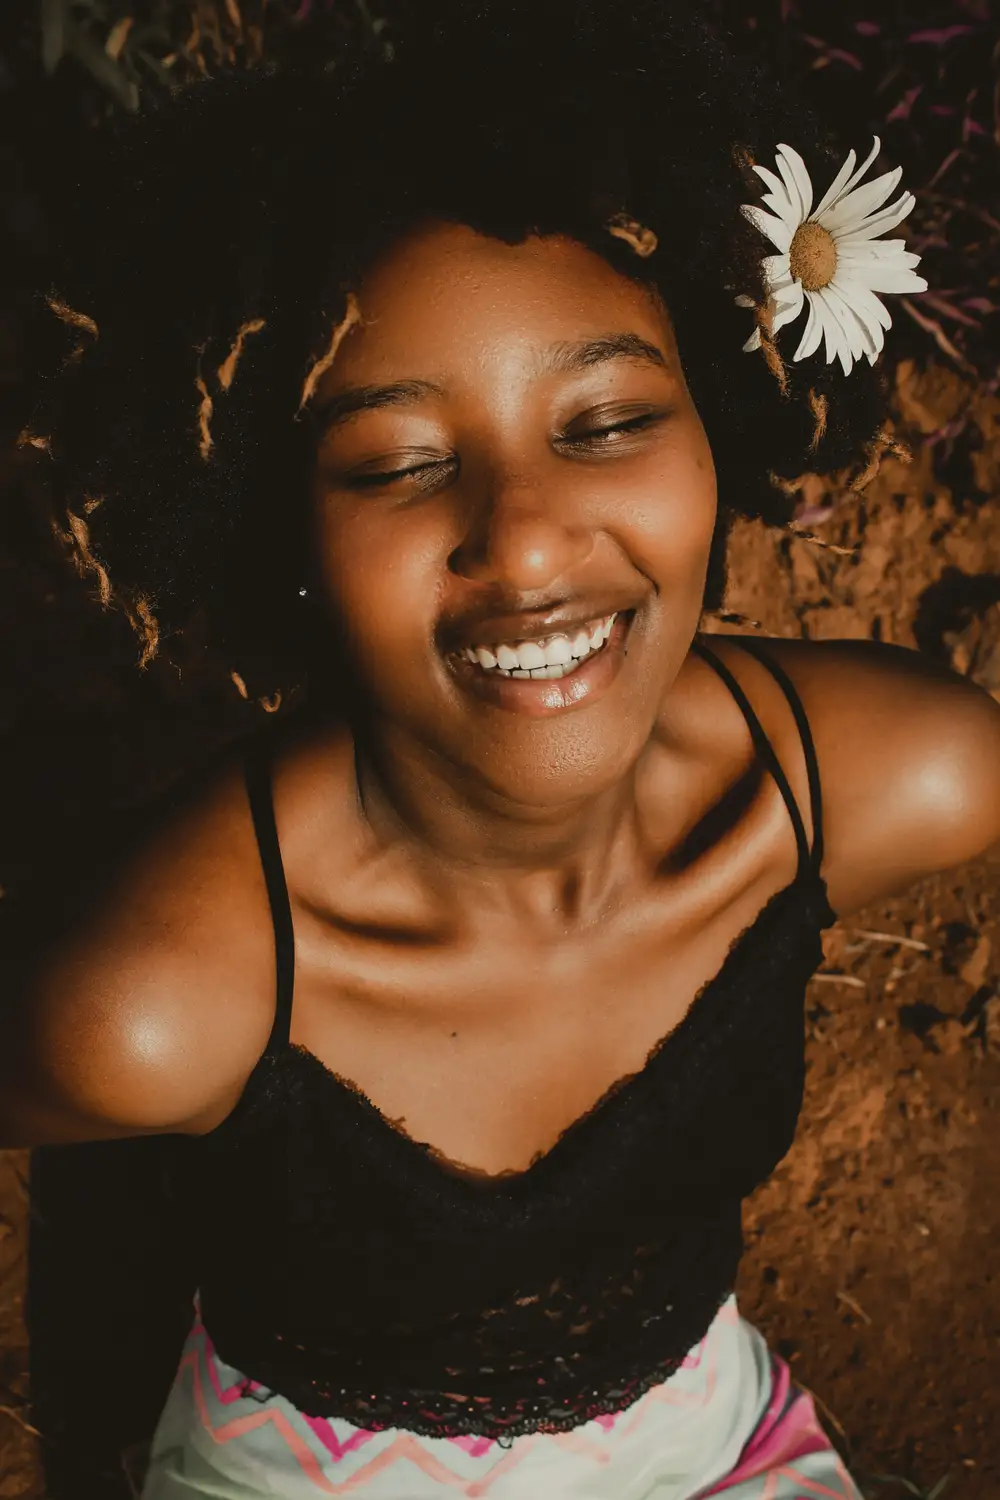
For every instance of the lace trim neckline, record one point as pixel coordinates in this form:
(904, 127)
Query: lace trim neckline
(413, 1155)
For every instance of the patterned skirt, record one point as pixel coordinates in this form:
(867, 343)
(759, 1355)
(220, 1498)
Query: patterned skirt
(729, 1423)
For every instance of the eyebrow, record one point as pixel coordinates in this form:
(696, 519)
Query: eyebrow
(566, 358)
(357, 398)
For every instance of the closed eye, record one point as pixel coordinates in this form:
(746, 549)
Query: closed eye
(608, 434)
(428, 472)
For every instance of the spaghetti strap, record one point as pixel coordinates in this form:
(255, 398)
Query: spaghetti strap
(757, 650)
(257, 770)
(765, 751)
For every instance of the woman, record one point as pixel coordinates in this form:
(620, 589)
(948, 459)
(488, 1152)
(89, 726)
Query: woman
(478, 983)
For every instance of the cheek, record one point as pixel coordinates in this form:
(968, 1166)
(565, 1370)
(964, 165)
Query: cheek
(671, 513)
(379, 576)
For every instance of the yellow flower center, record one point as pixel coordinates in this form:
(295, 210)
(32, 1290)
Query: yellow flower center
(813, 256)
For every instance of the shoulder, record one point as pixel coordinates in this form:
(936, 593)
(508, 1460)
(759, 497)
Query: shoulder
(908, 756)
(154, 1002)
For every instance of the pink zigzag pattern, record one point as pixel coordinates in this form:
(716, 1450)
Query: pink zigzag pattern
(404, 1447)
(789, 1430)
(239, 1426)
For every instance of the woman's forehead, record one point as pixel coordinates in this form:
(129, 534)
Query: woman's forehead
(447, 294)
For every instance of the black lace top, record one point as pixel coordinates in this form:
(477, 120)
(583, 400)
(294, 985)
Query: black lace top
(345, 1266)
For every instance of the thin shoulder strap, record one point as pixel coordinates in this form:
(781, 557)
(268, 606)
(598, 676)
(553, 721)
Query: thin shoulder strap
(757, 649)
(257, 769)
(764, 748)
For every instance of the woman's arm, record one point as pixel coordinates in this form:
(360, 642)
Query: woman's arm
(146, 1012)
(909, 760)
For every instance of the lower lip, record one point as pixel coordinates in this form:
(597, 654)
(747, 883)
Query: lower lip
(536, 697)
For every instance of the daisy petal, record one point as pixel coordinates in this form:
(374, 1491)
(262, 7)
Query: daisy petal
(883, 278)
(833, 338)
(788, 308)
(777, 231)
(813, 332)
(879, 223)
(795, 175)
(778, 274)
(849, 343)
(777, 268)
(864, 302)
(847, 179)
(753, 342)
(866, 252)
(744, 301)
(860, 338)
(777, 197)
(854, 208)
(837, 186)
(841, 341)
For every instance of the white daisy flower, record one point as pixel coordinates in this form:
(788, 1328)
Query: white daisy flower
(830, 258)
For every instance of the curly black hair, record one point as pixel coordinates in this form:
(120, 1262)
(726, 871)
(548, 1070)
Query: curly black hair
(208, 258)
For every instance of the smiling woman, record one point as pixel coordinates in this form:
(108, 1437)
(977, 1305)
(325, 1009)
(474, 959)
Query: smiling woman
(478, 982)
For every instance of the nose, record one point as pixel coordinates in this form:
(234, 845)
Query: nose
(520, 537)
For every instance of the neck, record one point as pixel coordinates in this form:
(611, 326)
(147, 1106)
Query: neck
(557, 858)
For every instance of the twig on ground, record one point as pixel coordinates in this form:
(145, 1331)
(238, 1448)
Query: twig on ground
(891, 937)
(854, 1306)
(15, 1416)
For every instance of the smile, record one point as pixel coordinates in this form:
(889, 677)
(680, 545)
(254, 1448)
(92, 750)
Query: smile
(557, 671)
(545, 659)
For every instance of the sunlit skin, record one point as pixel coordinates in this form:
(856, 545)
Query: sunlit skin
(504, 892)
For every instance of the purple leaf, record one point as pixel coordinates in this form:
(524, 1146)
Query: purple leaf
(943, 109)
(901, 111)
(981, 305)
(868, 28)
(949, 161)
(949, 310)
(937, 333)
(837, 54)
(971, 127)
(941, 36)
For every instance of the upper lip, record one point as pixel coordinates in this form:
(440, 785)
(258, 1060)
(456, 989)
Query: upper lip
(529, 625)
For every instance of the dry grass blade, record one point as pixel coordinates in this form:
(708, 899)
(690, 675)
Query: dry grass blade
(22, 1421)
(891, 937)
(855, 1307)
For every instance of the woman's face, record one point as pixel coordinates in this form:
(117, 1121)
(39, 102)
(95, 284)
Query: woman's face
(512, 479)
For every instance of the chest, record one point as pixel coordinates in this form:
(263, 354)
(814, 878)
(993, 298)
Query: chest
(488, 1050)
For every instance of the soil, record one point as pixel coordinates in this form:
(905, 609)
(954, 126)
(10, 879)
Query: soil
(872, 1261)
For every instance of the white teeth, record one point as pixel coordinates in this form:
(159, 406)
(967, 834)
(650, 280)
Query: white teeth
(558, 652)
(541, 660)
(529, 655)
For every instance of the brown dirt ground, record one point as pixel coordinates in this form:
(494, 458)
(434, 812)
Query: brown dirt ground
(872, 1260)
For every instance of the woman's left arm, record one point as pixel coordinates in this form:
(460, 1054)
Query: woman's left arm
(909, 761)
